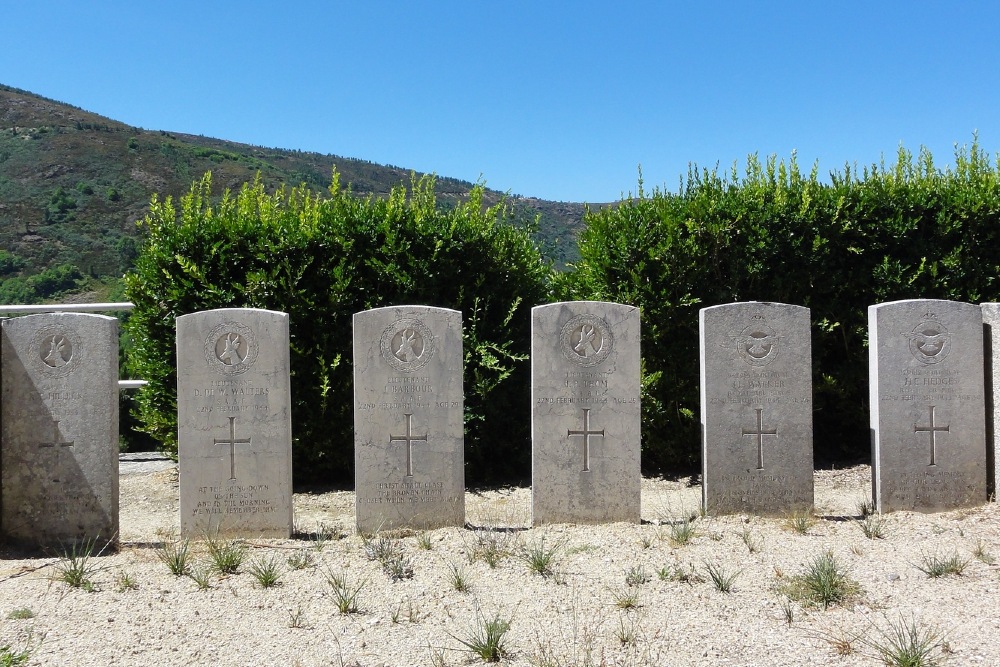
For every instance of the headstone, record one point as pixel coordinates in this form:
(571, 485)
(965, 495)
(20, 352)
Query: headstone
(756, 409)
(927, 405)
(234, 428)
(991, 353)
(60, 429)
(585, 419)
(409, 457)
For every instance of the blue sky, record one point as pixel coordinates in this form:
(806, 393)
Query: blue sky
(547, 99)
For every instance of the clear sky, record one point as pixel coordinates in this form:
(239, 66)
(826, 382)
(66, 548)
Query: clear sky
(557, 100)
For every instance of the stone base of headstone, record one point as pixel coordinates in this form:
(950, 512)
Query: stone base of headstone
(234, 428)
(585, 414)
(59, 455)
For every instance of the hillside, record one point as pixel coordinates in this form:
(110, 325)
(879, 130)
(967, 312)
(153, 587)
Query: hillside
(73, 184)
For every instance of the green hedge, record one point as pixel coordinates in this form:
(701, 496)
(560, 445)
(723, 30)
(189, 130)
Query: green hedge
(322, 258)
(909, 230)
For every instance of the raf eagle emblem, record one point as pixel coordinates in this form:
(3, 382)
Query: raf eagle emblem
(929, 341)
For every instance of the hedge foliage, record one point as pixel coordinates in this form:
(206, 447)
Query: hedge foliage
(321, 258)
(908, 230)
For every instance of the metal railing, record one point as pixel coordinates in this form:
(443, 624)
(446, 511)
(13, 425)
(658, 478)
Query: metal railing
(77, 308)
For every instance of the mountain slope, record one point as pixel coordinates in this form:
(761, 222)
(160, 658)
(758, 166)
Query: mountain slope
(73, 184)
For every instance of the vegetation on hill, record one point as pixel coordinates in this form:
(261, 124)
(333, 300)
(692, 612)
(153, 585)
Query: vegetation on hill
(73, 185)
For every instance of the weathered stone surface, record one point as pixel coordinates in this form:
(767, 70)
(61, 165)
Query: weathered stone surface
(585, 420)
(60, 429)
(234, 424)
(991, 353)
(756, 409)
(927, 405)
(409, 456)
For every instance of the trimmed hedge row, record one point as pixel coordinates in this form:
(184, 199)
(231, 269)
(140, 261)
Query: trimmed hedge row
(908, 230)
(322, 258)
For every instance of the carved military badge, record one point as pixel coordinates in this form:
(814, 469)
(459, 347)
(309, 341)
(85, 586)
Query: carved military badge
(930, 342)
(231, 347)
(586, 340)
(407, 344)
(758, 343)
(54, 351)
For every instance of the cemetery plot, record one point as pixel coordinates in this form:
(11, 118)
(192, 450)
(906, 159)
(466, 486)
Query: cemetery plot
(585, 413)
(408, 418)
(756, 409)
(60, 429)
(927, 405)
(234, 423)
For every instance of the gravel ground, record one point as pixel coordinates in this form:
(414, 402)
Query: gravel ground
(617, 594)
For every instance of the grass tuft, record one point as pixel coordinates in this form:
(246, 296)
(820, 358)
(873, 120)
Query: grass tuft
(824, 582)
(752, 541)
(982, 554)
(683, 531)
(873, 525)
(936, 566)
(800, 522)
(636, 576)
(905, 643)
(267, 571)
(175, 556)
(75, 568)
(486, 637)
(227, 556)
(721, 579)
(202, 576)
(345, 593)
(301, 559)
(541, 559)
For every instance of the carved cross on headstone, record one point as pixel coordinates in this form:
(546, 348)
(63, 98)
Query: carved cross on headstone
(56, 442)
(409, 439)
(759, 434)
(232, 441)
(585, 434)
(933, 429)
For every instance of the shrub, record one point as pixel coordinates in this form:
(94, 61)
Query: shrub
(908, 230)
(322, 258)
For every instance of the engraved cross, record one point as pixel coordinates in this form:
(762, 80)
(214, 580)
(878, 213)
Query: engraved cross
(933, 429)
(759, 434)
(585, 434)
(232, 441)
(409, 439)
(55, 441)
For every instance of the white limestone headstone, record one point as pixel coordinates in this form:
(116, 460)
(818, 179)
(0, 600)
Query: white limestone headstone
(409, 457)
(59, 455)
(756, 409)
(927, 405)
(234, 428)
(991, 353)
(585, 414)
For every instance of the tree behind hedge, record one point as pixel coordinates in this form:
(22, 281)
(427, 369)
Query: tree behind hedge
(909, 230)
(322, 258)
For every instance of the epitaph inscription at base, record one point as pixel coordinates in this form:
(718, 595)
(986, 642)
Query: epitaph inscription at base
(585, 417)
(927, 405)
(234, 424)
(756, 409)
(409, 457)
(60, 429)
